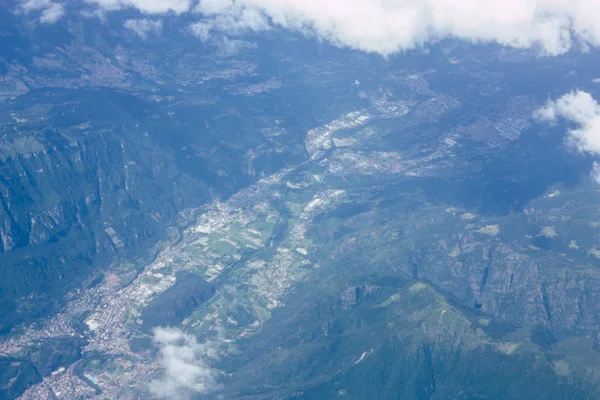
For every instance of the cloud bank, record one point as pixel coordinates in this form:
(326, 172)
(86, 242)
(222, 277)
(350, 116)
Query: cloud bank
(145, 6)
(49, 12)
(144, 27)
(595, 174)
(184, 360)
(388, 26)
(581, 109)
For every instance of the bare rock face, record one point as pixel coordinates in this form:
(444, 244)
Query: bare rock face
(68, 205)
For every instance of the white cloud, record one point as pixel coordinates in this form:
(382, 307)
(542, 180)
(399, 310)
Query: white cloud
(52, 14)
(144, 27)
(596, 172)
(231, 47)
(186, 369)
(389, 26)
(34, 5)
(228, 17)
(580, 108)
(386, 26)
(225, 46)
(145, 6)
(49, 12)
